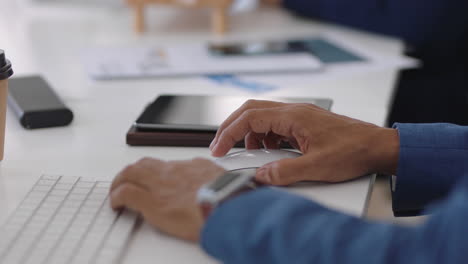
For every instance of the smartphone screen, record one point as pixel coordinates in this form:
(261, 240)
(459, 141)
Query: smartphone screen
(201, 113)
(259, 48)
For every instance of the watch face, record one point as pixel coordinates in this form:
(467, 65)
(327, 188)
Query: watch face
(226, 185)
(224, 181)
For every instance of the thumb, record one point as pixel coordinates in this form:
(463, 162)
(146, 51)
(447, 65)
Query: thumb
(286, 171)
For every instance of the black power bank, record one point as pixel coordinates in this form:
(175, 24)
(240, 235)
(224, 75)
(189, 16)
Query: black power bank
(35, 103)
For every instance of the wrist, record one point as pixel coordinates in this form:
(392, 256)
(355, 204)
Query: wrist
(385, 150)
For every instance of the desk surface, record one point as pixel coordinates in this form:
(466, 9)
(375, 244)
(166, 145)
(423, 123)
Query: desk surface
(49, 40)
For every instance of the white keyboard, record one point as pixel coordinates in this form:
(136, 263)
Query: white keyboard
(66, 220)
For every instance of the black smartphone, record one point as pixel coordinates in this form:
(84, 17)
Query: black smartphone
(201, 113)
(259, 48)
(36, 104)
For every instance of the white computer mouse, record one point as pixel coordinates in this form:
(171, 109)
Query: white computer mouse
(254, 158)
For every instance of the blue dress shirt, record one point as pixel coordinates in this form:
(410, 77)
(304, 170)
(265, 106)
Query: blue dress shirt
(436, 28)
(436, 32)
(272, 226)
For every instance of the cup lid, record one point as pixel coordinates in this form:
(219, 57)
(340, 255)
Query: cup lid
(5, 67)
(2, 59)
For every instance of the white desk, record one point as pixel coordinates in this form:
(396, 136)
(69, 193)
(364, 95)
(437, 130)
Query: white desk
(49, 42)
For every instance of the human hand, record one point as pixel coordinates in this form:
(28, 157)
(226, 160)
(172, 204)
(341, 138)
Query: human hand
(165, 193)
(335, 147)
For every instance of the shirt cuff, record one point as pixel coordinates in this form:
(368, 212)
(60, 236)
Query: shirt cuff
(241, 227)
(432, 158)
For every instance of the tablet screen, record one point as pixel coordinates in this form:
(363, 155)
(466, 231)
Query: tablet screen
(203, 113)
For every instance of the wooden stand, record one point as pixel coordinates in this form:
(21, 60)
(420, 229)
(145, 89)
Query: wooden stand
(219, 15)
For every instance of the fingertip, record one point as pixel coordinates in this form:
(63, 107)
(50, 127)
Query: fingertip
(218, 150)
(117, 196)
(116, 208)
(112, 187)
(115, 183)
(216, 154)
(114, 200)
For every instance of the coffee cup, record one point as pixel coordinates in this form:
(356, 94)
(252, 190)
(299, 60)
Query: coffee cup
(5, 72)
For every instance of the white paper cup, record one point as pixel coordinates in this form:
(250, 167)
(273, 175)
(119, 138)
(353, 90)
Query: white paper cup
(5, 72)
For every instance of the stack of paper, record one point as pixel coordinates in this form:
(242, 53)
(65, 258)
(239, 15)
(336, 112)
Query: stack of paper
(140, 62)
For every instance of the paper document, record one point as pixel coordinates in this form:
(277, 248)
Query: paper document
(194, 59)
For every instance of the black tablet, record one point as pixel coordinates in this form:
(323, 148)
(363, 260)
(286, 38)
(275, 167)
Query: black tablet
(201, 113)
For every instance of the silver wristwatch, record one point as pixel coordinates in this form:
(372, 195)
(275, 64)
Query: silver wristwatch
(225, 186)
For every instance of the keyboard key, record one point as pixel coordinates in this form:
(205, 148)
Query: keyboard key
(63, 186)
(85, 184)
(97, 197)
(101, 190)
(56, 192)
(52, 199)
(80, 191)
(104, 184)
(50, 177)
(42, 188)
(69, 179)
(76, 197)
(38, 196)
(46, 182)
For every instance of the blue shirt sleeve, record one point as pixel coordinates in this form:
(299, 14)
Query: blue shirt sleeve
(271, 226)
(432, 159)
